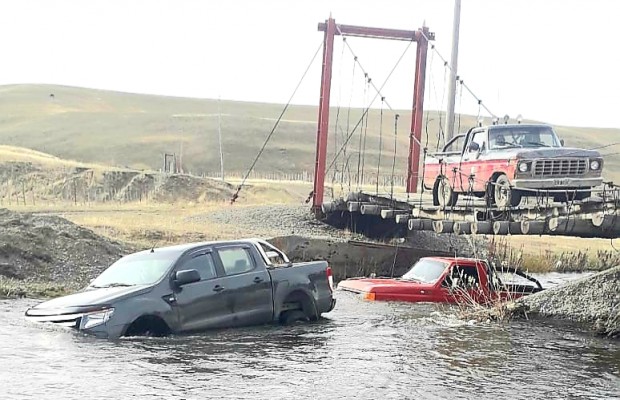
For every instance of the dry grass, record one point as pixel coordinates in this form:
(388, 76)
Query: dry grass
(12, 288)
(21, 154)
(152, 226)
(556, 256)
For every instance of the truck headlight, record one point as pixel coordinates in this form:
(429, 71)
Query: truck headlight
(96, 318)
(595, 165)
(524, 166)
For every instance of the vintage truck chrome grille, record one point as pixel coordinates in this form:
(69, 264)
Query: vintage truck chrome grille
(561, 167)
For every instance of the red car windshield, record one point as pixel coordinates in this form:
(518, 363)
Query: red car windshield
(426, 271)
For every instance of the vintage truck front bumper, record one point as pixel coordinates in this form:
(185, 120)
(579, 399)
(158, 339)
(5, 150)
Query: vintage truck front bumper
(556, 183)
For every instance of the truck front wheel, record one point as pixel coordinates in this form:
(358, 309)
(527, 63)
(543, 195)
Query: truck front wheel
(503, 194)
(443, 194)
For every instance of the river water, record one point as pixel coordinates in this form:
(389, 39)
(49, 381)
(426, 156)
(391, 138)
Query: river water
(362, 350)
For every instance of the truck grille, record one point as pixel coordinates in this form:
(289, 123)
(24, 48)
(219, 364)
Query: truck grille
(560, 167)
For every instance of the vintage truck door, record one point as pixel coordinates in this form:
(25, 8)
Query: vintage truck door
(247, 284)
(473, 162)
(200, 305)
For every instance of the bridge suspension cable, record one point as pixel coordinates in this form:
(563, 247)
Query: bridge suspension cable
(366, 109)
(275, 125)
(447, 65)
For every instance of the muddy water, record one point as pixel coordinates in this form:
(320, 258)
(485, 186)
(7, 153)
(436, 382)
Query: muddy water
(363, 350)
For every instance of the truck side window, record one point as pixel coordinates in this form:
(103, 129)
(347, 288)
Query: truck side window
(236, 260)
(463, 277)
(271, 258)
(480, 139)
(455, 145)
(203, 263)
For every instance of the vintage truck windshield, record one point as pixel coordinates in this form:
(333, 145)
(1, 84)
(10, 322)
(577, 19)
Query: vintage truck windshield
(144, 268)
(522, 137)
(426, 271)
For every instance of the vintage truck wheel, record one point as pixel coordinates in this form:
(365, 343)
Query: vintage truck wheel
(443, 194)
(503, 195)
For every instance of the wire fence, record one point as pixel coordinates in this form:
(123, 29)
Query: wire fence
(352, 179)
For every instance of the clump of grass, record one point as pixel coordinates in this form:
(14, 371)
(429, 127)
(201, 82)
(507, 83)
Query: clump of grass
(499, 305)
(13, 288)
(500, 252)
(494, 310)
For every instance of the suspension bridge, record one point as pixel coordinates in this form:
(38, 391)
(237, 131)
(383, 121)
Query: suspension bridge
(381, 211)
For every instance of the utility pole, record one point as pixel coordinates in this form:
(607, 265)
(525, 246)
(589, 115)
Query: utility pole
(449, 130)
(219, 135)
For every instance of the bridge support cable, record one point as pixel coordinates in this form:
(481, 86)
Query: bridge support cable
(380, 145)
(394, 156)
(337, 124)
(365, 130)
(345, 159)
(367, 109)
(362, 139)
(367, 75)
(275, 126)
(447, 65)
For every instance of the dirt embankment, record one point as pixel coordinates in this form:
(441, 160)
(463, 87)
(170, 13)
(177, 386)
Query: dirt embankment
(594, 300)
(52, 249)
(28, 183)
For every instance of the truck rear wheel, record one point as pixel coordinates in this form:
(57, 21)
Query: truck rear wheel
(443, 194)
(504, 195)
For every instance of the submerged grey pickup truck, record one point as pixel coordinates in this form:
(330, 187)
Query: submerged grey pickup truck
(194, 287)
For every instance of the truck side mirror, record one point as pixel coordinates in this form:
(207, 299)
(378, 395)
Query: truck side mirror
(186, 276)
(562, 142)
(473, 147)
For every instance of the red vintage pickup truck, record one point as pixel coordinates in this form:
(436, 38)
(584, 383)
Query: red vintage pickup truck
(443, 280)
(503, 163)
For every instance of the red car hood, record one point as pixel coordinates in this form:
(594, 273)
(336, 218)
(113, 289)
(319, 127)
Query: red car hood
(382, 285)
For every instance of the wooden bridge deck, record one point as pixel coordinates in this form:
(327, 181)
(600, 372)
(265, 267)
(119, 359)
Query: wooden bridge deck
(595, 217)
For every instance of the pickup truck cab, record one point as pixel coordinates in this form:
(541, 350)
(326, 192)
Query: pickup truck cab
(443, 280)
(503, 163)
(194, 287)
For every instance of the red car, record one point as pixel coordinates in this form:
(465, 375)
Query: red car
(443, 280)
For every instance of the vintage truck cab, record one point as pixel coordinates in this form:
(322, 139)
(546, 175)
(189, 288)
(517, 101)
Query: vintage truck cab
(503, 163)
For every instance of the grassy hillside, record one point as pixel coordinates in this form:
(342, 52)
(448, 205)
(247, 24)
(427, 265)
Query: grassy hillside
(136, 130)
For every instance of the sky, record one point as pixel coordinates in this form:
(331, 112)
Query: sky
(556, 60)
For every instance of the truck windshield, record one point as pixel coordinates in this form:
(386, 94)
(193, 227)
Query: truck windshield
(522, 136)
(426, 271)
(143, 268)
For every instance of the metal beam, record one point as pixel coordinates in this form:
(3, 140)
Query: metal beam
(415, 134)
(377, 33)
(323, 123)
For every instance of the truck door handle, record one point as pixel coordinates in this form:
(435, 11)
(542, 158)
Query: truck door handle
(218, 288)
(258, 279)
